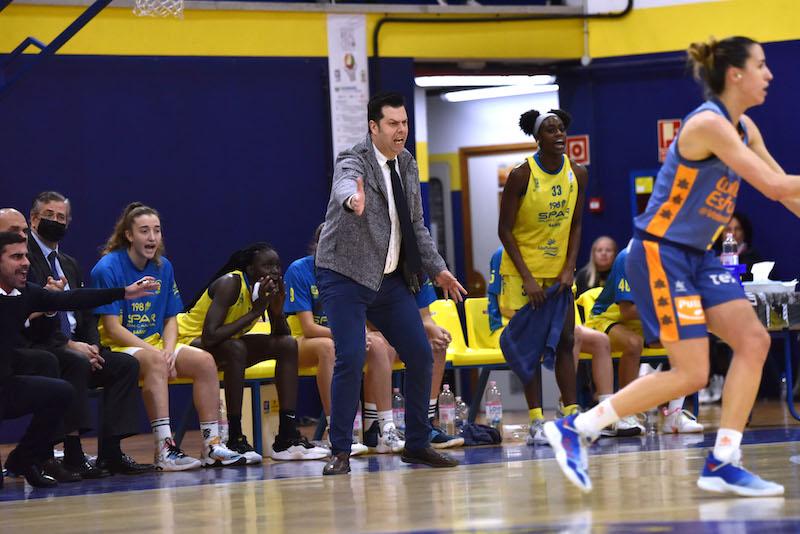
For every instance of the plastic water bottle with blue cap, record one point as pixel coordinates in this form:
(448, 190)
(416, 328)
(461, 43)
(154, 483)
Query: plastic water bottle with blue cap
(493, 405)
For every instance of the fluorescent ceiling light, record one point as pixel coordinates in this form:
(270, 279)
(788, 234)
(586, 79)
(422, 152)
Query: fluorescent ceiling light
(482, 81)
(497, 92)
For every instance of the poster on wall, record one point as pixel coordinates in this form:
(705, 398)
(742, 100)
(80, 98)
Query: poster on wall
(667, 130)
(578, 148)
(349, 82)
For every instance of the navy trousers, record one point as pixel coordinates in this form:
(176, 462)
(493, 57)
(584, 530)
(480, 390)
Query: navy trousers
(393, 310)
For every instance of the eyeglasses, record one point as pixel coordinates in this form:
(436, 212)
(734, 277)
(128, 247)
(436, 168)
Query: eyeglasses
(51, 215)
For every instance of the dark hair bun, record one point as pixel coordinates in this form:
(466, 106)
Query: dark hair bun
(527, 121)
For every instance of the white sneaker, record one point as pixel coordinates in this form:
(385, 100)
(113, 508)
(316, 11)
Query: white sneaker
(383, 441)
(680, 422)
(170, 457)
(536, 433)
(358, 448)
(216, 454)
(629, 426)
(647, 369)
(297, 448)
(243, 447)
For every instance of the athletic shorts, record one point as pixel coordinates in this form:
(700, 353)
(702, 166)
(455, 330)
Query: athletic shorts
(513, 296)
(604, 324)
(673, 285)
(157, 343)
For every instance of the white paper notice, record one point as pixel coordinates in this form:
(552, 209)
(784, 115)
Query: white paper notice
(349, 81)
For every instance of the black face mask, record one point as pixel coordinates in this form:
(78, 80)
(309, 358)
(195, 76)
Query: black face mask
(52, 231)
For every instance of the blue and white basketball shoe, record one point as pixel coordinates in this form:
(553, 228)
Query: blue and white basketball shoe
(731, 477)
(570, 448)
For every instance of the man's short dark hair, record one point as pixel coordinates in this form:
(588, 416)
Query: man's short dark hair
(376, 103)
(10, 238)
(46, 197)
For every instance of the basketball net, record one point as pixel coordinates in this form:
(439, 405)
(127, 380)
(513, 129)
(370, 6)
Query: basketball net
(158, 8)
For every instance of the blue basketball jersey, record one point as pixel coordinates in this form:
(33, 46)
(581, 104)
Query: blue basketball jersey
(692, 201)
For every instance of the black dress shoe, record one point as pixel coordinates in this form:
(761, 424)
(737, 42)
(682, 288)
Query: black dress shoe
(339, 464)
(124, 465)
(34, 475)
(428, 456)
(56, 469)
(87, 470)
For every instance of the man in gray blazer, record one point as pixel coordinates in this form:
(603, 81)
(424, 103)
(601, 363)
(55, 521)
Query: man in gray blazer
(371, 253)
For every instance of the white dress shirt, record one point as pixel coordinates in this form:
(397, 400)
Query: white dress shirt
(59, 271)
(393, 256)
(14, 293)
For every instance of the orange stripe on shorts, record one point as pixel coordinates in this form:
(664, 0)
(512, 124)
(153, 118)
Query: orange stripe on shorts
(659, 289)
(681, 186)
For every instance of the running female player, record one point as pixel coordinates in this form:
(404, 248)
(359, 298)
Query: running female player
(680, 288)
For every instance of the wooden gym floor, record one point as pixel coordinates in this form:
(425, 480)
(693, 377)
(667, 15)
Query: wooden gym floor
(644, 484)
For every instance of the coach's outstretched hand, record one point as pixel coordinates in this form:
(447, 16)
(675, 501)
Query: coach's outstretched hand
(450, 286)
(357, 201)
(143, 287)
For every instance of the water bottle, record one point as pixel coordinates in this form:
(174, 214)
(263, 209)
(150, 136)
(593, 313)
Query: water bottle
(784, 387)
(461, 414)
(399, 410)
(651, 421)
(730, 251)
(493, 404)
(357, 425)
(222, 421)
(447, 410)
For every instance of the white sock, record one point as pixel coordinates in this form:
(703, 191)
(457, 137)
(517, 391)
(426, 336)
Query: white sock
(161, 429)
(592, 422)
(728, 442)
(432, 408)
(675, 406)
(370, 414)
(385, 418)
(210, 432)
(328, 419)
(601, 398)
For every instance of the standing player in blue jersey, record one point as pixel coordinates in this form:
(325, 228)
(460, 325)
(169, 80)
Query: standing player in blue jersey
(147, 329)
(680, 288)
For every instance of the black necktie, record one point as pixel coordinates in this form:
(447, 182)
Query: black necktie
(408, 245)
(62, 316)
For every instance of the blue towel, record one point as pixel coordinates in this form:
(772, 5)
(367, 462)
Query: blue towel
(475, 434)
(532, 334)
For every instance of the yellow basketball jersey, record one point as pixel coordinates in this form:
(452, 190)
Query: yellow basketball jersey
(190, 324)
(544, 220)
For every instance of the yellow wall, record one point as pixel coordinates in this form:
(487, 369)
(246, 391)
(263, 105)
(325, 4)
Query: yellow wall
(454, 162)
(261, 33)
(665, 29)
(117, 31)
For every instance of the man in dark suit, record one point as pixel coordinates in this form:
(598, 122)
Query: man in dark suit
(73, 338)
(46, 398)
(371, 252)
(27, 360)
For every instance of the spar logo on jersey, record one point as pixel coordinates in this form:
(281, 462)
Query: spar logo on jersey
(690, 310)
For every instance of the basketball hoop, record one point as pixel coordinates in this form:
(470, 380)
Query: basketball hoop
(158, 8)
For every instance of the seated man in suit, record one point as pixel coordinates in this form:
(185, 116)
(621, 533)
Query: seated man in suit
(73, 338)
(46, 398)
(27, 360)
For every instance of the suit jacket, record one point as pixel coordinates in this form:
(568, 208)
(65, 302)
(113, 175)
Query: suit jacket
(46, 331)
(356, 246)
(14, 310)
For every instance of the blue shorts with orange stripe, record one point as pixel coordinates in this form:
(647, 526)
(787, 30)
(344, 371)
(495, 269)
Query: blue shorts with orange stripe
(673, 284)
